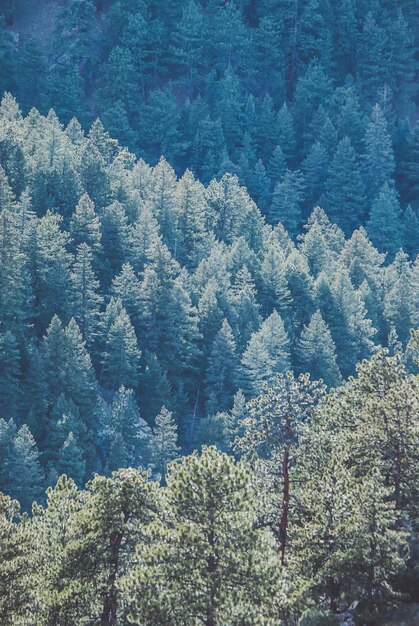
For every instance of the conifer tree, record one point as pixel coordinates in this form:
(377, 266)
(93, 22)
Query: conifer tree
(266, 354)
(70, 460)
(121, 355)
(188, 41)
(223, 370)
(26, 476)
(117, 457)
(14, 293)
(286, 133)
(101, 535)
(16, 549)
(384, 225)
(164, 447)
(286, 202)
(317, 351)
(85, 224)
(276, 166)
(52, 266)
(85, 299)
(10, 374)
(379, 156)
(344, 197)
(135, 432)
(315, 167)
(211, 510)
(271, 428)
(126, 288)
(274, 286)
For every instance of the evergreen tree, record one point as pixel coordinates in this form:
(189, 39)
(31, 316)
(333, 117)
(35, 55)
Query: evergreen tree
(317, 351)
(52, 266)
(379, 156)
(266, 354)
(344, 197)
(135, 432)
(188, 42)
(26, 476)
(85, 224)
(85, 299)
(271, 428)
(164, 447)
(223, 370)
(384, 225)
(10, 374)
(286, 134)
(16, 547)
(70, 460)
(315, 167)
(274, 286)
(121, 355)
(211, 520)
(286, 202)
(276, 166)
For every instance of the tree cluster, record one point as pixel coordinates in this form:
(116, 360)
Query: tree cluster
(316, 517)
(139, 310)
(302, 99)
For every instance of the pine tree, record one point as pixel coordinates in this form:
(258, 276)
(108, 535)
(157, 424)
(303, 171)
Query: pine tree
(266, 354)
(244, 307)
(286, 202)
(317, 351)
(85, 299)
(344, 198)
(399, 301)
(117, 457)
(14, 294)
(384, 225)
(301, 288)
(164, 446)
(372, 59)
(85, 224)
(276, 166)
(114, 236)
(71, 460)
(10, 374)
(379, 156)
(163, 200)
(16, 544)
(271, 428)
(121, 355)
(52, 266)
(101, 533)
(80, 381)
(188, 41)
(286, 134)
(26, 473)
(410, 219)
(211, 510)
(135, 432)
(126, 288)
(274, 287)
(315, 167)
(223, 370)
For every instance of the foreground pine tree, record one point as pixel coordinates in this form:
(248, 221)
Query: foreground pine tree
(208, 565)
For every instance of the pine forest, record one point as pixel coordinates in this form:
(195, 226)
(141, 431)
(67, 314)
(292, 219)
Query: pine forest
(209, 313)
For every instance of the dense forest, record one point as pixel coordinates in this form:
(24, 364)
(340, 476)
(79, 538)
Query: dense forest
(209, 285)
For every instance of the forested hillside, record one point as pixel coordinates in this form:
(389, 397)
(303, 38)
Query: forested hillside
(306, 101)
(124, 290)
(209, 289)
(315, 521)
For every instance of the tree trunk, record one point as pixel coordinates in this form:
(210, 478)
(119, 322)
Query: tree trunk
(285, 505)
(109, 613)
